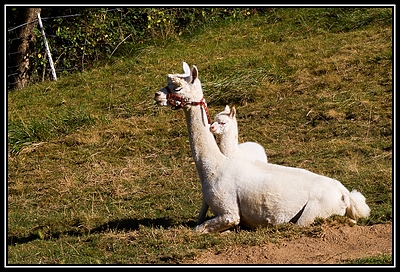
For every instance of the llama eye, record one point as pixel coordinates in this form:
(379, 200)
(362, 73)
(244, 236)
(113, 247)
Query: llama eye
(222, 123)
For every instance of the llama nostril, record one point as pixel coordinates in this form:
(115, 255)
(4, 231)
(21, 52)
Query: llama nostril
(157, 94)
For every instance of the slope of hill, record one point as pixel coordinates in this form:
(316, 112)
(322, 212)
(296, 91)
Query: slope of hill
(98, 174)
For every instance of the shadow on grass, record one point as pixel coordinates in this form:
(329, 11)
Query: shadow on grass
(133, 224)
(117, 225)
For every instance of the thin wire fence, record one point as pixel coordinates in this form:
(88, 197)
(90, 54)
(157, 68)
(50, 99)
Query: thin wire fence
(75, 44)
(14, 37)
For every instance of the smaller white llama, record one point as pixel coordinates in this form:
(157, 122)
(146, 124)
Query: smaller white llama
(226, 127)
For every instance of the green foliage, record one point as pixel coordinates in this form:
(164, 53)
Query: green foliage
(383, 259)
(78, 42)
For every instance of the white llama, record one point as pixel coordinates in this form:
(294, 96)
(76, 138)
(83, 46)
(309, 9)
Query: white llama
(226, 127)
(240, 189)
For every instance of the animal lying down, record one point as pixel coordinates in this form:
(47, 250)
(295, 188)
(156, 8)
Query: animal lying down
(226, 128)
(262, 194)
(241, 189)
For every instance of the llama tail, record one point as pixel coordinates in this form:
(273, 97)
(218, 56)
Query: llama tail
(355, 205)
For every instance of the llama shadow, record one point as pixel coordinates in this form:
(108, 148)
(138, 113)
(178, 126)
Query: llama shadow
(118, 225)
(134, 224)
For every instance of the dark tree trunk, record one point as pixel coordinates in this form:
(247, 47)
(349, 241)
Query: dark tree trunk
(26, 36)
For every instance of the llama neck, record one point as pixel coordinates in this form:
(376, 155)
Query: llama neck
(229, 143)
(205, 151)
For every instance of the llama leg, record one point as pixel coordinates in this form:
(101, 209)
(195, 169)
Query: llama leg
(202, 214)
(322, 208)
(312, 210)
(298, 215)
(218, 223)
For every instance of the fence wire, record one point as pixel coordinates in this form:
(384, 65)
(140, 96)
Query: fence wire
(13, 36)
(75, 44)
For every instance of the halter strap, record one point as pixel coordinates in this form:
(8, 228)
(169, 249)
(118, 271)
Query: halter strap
(178, 102)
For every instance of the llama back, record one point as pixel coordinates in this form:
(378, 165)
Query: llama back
(252, 150)
(327, 196)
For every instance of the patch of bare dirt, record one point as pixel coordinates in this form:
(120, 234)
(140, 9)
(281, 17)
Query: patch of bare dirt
(336, 246)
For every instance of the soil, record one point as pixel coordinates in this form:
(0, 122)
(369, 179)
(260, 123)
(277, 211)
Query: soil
(337, 245)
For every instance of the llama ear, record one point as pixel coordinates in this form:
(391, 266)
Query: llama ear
(186, 70)
(232, 112)
(227, 110)
(194, 74)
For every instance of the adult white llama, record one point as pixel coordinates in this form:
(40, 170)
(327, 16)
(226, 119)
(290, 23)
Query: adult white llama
(226, 128)
(240, 189)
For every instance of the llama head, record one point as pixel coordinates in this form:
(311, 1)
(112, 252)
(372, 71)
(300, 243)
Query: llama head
(223, 120)
(182, 89)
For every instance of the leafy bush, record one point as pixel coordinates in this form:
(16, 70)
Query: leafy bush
(78, 37)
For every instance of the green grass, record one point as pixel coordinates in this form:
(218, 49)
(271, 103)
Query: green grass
(98, 174)
(384, 259)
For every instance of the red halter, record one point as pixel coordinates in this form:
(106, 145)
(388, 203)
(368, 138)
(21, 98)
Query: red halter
(178, 102)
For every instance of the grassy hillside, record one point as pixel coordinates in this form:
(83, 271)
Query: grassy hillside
(98, 174)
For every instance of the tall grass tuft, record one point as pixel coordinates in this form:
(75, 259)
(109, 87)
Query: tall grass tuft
(24, 132)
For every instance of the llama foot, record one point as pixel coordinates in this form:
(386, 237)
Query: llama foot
(219, 223)
(202, 228)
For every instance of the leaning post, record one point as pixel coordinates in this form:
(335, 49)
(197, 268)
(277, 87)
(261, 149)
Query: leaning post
(53, 71)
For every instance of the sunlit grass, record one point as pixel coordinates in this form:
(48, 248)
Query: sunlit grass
(384, 259)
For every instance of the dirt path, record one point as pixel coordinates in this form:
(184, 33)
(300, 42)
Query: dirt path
(337, 245)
